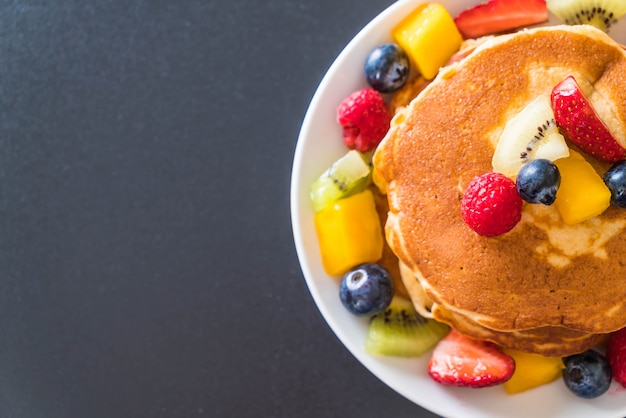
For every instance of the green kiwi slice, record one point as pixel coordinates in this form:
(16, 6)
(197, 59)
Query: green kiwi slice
(348, 175)
(600, 13)
(400, 331)
(531, 134)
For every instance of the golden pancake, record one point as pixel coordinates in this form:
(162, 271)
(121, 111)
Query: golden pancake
(543, 274)
(548, 341)
(551, 341)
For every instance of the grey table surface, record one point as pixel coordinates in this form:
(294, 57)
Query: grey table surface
(147, 265)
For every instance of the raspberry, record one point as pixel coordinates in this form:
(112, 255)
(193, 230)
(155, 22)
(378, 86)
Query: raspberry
(365, 119)
(491, 205)
(616, 355)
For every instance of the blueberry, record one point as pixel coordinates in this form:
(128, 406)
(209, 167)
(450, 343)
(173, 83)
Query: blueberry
(538, 181)
(366, 289)
(615, 180)
(588, 374)
(387, 68)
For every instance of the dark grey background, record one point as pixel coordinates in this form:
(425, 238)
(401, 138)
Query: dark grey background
(147, 266)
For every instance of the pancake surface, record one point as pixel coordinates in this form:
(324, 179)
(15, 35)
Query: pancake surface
(543, 273)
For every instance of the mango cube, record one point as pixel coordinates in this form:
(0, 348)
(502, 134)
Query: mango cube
(349, 233)
(532, 370)
(582, 193)
(429, 36)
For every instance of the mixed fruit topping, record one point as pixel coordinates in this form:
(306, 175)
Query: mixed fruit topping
(534, 150)
(538, 160)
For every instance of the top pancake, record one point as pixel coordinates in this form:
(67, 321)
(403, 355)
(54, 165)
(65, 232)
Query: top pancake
(543, 272)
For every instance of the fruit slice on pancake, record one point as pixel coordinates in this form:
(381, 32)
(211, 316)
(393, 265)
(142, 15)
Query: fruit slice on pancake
(600, 13)
(582, 194)
(581, 124)
(531, 134)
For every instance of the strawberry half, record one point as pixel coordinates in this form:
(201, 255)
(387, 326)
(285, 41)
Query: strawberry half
(496, 16)
(458, 360)
(580, 123)
(616, 355)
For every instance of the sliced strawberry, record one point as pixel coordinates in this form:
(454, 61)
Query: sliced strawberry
(580, 123)
(496, 16)
(616, 355)
(461, 361)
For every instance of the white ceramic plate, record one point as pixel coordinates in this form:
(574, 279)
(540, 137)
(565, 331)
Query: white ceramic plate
(319, 144)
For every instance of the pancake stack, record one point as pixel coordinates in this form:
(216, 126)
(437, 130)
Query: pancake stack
(544, 287)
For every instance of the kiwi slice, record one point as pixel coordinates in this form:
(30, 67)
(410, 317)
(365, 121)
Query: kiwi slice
(529, 135)
(348, 175)
(401, 332)
(600, 13)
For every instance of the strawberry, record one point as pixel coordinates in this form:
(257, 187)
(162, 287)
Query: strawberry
(365, 118)
(491, 205)
(496, 16)
(616, 355)
(458, 360)
(580, 123)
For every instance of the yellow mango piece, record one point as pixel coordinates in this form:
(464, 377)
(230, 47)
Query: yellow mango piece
(349, 233)
(429, 36)
(532, 370)
(582, 193)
